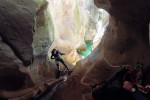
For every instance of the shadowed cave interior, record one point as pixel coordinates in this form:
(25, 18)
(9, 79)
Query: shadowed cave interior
(97, 37)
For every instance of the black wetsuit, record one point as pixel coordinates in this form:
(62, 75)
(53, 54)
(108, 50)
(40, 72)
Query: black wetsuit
(145, 72)
(113, 89)
(58, 59)
(138, 95)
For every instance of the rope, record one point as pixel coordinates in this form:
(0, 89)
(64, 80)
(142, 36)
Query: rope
(109, 62)
(82, 79)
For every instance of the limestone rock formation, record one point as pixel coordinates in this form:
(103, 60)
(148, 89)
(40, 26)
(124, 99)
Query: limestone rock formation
(24, 34)
(28, 28)
(17, 22)
(124, 41)
(16, 36)
(75, 22)
(8, 69)
(44, 29)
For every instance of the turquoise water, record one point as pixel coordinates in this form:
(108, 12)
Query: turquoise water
(89, 45)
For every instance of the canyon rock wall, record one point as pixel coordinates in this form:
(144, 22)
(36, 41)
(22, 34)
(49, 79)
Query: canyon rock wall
(125, 42)
(75, 22)
(34, 28)
(29, 28)
(16, 30)
(16, 36)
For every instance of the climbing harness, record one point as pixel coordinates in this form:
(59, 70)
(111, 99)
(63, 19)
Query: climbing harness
(143, 89)
(137, 83)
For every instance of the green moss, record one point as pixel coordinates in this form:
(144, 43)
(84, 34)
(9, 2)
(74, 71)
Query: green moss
(99, 15)
(44, 33)
(39, 2)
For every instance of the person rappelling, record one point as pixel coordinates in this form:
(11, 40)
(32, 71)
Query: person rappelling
(56, 55)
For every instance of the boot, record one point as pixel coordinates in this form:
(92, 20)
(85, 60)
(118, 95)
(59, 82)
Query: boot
(58, 74)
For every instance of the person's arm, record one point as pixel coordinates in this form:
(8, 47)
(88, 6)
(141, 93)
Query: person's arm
(136, 94)
(52, 57)
(60, 52)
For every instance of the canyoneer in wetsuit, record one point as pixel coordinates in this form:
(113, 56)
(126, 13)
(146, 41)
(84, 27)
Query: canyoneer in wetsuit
(127, 81)
(135, 86)
(55, 55)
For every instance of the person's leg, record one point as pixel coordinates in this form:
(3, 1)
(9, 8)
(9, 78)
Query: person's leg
(64, 64)
(58, 67)
(57, 64)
